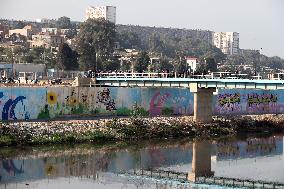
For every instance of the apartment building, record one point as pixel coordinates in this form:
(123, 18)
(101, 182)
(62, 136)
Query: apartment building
(46, 40)
(26, 31)
(228, 42)
(106, 12)
(51, 31)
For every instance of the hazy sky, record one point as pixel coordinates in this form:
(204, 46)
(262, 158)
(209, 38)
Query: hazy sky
(259, 22)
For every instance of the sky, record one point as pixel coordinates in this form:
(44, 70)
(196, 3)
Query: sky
(260, 23)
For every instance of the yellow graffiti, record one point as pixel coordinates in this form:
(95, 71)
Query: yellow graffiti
(51, 98)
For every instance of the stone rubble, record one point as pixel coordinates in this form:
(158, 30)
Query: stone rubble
(28, 132)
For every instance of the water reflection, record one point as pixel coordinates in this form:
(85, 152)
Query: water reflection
(201, 161)
(198, 158)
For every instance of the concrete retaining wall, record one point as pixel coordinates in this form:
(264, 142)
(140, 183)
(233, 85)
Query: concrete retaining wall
(17, 103)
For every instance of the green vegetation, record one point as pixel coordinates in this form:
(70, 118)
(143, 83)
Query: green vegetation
(44, 114)
(169, 42)
(95, 43)
(7, 140)
(63, 23)
(167, 111)
(66, 58)
(142, 62)
(123, 111)
(138, 111)
(93, 49)
(77, 110)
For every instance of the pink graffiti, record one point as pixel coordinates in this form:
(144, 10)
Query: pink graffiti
(262, 108)
(228, 109)
(157, 103)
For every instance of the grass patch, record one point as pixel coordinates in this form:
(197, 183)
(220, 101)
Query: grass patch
(7, 140)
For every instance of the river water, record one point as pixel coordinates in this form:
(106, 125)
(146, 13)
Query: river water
(104, 166)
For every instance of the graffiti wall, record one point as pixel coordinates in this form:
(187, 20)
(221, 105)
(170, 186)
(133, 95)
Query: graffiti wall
(51, 102)
(249, 102)
(22, 103)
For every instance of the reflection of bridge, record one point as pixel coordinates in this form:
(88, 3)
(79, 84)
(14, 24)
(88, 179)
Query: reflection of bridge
(201, 172)
(220, 181)
(202, 88)
(88, 161)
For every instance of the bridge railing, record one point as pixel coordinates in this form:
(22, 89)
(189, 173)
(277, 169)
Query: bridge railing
(133, 75)
(151, 75)
(174, 75)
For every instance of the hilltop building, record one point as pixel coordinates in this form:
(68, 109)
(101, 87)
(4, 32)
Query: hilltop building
(228, 42)
(46, 40)
(192, 63)
(106, 12)
(51, 31)
(27, 31)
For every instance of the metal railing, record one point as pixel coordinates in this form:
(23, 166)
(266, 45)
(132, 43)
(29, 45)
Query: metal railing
(172, 75)
(220, 181)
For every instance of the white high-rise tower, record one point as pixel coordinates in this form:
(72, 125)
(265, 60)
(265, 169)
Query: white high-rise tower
(106, 12)
(228, 42)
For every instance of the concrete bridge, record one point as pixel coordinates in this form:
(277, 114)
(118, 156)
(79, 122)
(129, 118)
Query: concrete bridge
(201, 172)
(203, 88)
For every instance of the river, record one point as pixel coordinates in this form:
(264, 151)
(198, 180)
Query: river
(112, 166)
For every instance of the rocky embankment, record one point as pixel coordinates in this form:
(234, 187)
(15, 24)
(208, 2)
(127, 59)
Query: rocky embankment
(75, 131)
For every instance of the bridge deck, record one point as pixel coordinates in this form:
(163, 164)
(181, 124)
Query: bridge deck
(185, 83)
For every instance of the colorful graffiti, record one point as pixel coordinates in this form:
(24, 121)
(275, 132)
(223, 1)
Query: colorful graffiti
(105, 98)
(43, 103)
(262, 103)
(249, 102)
(157, 103)
(229, 102)
(9, 112)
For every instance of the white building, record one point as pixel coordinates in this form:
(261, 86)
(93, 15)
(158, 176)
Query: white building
(228, 42)
(192, 63)
(52, 31)
(106, 12)
(47, 40)
(45, 20)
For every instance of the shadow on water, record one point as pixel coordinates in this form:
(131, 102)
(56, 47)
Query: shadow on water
(101, 163)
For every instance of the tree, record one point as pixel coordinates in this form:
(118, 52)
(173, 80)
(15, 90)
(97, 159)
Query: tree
(128, 40)
(66, 58)
(19, 25)
(165, 65)
(111, 65)
(19, 53)
(179, 62)
(63, 23)
(40, 55)
(95, 43)
(142, 62)
(210, 64)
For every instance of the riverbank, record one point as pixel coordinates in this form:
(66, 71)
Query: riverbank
(131, 129)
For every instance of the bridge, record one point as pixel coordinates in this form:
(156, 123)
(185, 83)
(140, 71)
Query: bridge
(203, 86)
(201, 172)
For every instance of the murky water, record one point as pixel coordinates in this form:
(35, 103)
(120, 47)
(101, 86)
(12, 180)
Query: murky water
(90, 166)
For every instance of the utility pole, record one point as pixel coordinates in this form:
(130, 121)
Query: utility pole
(13, 61)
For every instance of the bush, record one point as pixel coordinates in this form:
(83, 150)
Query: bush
(6, 140)
(167, 111)
(138, 111)
(123, 111)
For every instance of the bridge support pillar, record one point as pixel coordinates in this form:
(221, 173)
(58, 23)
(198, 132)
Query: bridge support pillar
(201, 161)
(203, 98)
